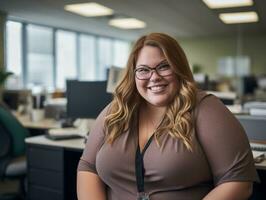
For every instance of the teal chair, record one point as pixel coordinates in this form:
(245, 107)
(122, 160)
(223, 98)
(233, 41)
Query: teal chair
(12, 152)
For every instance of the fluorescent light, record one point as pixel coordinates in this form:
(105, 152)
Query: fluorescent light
(89, 9)
(227, 3)
(127, 23)
(240, 17)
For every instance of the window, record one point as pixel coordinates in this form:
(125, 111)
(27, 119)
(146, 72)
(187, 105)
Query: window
(87, 57)
(39, 56)
(104, 57)
(66, 57)
(121, 53)
(48, 56)
(14, 51)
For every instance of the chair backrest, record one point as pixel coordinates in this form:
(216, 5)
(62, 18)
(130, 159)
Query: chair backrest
(5, 142)
(17, 132)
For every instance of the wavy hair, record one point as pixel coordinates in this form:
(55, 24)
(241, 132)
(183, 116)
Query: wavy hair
(178, 119)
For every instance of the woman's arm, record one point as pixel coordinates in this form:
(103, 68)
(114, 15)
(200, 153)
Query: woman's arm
(231, 190)
(90, 186)
(227, 149)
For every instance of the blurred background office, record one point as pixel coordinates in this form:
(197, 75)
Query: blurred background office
(45, 44)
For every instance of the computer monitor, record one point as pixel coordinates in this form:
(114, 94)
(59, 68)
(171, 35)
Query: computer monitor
(86, 99)
(115, 75)
(249, 84)
(262, 82)
(254, 126)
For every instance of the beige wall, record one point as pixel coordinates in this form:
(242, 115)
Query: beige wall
(206, 51)
(2, 31)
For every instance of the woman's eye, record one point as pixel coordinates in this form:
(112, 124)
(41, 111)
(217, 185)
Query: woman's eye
(163, 67)
(143, 70)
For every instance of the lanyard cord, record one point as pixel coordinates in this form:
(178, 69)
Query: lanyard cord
(139, 166)
(139, 170)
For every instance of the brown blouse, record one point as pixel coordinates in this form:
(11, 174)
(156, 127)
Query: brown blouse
(221, 153)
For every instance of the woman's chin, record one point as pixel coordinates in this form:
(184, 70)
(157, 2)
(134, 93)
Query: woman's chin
(158, 103)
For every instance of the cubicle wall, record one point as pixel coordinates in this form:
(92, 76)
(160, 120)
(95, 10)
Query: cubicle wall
(255, 126)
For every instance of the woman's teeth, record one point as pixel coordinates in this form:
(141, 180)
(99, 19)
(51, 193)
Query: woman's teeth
(157, 88)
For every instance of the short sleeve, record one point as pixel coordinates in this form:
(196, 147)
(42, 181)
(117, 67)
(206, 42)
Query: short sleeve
(94, 142)
(224, 142)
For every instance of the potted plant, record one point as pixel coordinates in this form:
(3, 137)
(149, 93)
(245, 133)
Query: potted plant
(196, 69)
(3, 77)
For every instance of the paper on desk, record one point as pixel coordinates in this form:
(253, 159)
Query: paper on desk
(258, 156)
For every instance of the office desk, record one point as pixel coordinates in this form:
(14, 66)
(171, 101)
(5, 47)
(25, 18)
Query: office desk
(74, 144)
(45, 124)
(52, 167)
(38, 127)
(261, 165)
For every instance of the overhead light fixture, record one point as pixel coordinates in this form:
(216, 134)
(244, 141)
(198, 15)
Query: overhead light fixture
(239, 17)
(127, 23)
(213, 4)
(89, 9)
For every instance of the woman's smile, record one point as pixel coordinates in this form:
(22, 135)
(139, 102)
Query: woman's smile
(158, 88)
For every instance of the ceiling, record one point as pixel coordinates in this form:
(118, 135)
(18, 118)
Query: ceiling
(179, 18)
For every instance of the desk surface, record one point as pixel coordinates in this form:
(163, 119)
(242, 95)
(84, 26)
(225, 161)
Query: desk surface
(43, 124)
(261, 165)
(79, 145)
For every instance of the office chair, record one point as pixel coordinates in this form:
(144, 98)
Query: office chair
(12, 152)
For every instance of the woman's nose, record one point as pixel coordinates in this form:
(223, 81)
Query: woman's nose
(155, 76)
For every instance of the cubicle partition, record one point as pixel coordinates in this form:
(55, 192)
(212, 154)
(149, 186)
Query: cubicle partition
(255, 127)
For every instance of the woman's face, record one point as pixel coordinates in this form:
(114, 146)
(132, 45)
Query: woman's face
(157, 90)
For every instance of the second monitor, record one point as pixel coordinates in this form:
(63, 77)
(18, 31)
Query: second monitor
(86, 99)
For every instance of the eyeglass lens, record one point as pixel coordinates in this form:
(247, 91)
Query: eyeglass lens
(145, 72)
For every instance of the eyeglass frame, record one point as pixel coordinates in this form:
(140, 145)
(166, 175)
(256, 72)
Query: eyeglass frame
(151, 70)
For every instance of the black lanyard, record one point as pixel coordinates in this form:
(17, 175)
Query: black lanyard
(139, 166)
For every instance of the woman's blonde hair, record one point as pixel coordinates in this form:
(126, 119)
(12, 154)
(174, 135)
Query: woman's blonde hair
(178, 119)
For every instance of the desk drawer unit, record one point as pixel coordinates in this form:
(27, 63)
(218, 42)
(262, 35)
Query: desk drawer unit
(45, 172)
(41, 193)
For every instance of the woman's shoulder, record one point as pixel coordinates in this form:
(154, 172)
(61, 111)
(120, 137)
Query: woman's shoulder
(201, 95)
(204, 99)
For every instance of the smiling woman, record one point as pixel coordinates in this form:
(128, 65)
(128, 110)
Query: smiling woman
(157, 84)
(162, 138)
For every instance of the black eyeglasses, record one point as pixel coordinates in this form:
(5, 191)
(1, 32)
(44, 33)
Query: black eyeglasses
(144, 72)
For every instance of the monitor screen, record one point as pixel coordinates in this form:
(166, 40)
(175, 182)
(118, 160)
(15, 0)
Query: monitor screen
(86, 99)
(115, 75)
(250, 84)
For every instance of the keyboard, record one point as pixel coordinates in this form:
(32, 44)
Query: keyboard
(63, 131)
(258, 147)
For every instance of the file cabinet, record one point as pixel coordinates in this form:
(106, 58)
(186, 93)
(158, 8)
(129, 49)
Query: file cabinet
(51, 172)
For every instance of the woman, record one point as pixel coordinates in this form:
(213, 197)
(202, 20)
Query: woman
(163, 139)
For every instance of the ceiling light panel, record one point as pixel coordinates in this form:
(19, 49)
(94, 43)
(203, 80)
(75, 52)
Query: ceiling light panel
(240, 17)
(127, 23)
(89, 9)
(214, 4)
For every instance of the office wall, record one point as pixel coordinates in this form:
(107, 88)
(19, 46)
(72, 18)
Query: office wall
(2, 33)
(206, 51)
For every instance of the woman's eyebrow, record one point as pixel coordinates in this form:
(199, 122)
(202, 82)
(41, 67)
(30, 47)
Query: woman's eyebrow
(143, 65)
(160, 63)
(164, 61)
